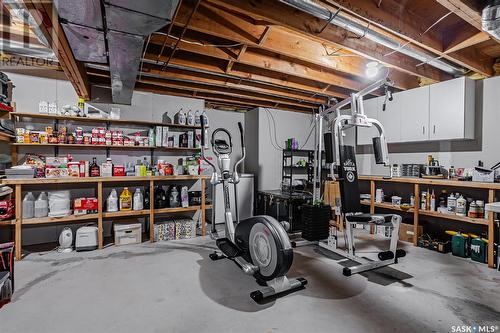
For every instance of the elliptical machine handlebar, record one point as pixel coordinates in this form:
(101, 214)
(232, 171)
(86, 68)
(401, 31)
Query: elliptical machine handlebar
(202, 123)
(236, 177)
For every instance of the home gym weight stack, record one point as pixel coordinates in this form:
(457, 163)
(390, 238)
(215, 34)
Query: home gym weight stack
(259, 245)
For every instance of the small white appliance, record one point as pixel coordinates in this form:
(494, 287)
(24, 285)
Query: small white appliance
(86, 238)
(65, 241)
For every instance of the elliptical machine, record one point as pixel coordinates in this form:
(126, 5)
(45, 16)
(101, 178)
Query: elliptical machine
(259, 245)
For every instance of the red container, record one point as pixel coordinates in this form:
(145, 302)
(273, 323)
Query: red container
(118, 170)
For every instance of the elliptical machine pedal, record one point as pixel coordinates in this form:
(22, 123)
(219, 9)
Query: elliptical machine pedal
(227, 247)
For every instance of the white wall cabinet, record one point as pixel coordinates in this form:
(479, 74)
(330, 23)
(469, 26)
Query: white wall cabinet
(451, 109)
(390, 118)
(414, 108)
(442, 111)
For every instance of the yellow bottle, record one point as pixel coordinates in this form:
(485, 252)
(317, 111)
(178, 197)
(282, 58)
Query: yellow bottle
(126, 199)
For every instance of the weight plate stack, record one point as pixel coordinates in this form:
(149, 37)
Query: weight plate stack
(316, 220)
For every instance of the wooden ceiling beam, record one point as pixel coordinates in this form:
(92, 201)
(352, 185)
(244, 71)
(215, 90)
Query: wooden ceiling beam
(241, 75)
(458, 42)
(395, 19)
(468, 10)
(46, 17)
(280, 14)
(265, 60)
(213, 21)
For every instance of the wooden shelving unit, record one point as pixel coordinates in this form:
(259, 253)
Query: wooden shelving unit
(416, 211)
(99, 183)
(121, 122)
(81, 146)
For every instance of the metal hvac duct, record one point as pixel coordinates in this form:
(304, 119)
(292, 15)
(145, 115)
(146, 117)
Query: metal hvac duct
(491, 19)
(127, 24)
(342, 21)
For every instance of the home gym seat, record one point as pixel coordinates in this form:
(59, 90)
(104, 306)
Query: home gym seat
(351, 209)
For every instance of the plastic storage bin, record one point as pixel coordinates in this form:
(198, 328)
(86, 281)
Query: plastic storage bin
(127, 233)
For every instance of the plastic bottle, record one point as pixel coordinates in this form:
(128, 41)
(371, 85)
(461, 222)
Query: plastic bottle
(146, 203)
(138, 203)
(461, 209)
(205, 117)
(197, 118)
(181, 117)
(125, 199)
(443, 198)
(190, 118)
(42, 205)
(112, 201)
(174, 197)
(433, 201)
(184, 197)
(28, 206)
(452, 204)
(412, 200)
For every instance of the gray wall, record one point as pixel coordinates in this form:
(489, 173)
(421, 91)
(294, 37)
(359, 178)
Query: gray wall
(29, 90)
(459, 154)
(265, 159)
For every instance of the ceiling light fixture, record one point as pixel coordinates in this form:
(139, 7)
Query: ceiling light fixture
(372, 69)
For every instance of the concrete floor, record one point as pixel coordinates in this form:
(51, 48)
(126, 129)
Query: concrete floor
(174, 287)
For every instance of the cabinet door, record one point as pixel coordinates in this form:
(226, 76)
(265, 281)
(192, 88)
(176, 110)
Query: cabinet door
(390, 118)
(365, 134)
(447, 107)
(414, 106)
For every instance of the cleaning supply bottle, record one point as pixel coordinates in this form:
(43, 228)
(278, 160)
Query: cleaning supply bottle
(180, 117)
(125, 199)
(433, 201)
(461, 209)
(146, 202)
(112, 201)
(174, 197)
(197, 118)
(184, 197)
(190, 118)
(42, 205)
(452, 204)
(205, 117)
(160, 198)
(443, 198)
(138, 202)
(28, 206)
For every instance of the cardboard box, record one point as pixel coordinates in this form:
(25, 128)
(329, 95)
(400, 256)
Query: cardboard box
(406, 232)
(84, 206)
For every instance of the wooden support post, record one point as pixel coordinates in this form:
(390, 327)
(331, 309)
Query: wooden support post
(416, 208)
(18, 225)
(372, 203)
(491, 231)
(151, 211)
(100, 233)
(203, 213)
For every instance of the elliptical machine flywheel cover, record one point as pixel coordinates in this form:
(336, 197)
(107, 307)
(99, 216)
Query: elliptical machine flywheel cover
(267, 246)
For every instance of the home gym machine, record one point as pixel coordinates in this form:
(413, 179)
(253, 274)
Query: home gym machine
(259, 245)
(343, 157)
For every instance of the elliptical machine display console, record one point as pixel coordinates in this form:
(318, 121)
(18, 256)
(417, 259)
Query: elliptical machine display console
(259, 245)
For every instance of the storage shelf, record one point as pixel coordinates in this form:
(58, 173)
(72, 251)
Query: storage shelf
(177, 209)
(82, 146)
(101, 120)
(454, 217)
(65, 219)
(6, 137)
(126, 213)
(433, 182)
(71, 180)
(7, 222)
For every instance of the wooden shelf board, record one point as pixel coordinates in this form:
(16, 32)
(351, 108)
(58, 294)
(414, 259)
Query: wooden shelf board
(6, 137)
(7, 222)
(453, 217)
(434, 182)
(209, 206)
(71, 180)
(82, 146)
(126, 213)
(100, 120)
(70, 218)
(429, 213)
(177, 209)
